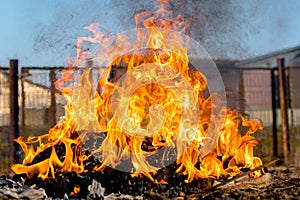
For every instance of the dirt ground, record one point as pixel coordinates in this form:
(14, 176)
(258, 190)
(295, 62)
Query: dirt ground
(284, 184)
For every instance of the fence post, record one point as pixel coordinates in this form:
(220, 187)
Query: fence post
(23, 96)
(274, 114)
(241, 93)
(52, 108)
(284, 113)
(14, 110)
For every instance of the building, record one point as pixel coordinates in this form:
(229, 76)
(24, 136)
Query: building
(257, 82)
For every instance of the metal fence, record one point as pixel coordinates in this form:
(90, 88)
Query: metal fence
(261, 88)
(293, 77)
(39, 99)
(4, 96)
(41, 104)
(4, 118)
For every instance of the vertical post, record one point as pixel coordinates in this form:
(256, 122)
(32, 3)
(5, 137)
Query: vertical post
(283, 106)
(274, 115)
(23, 74)
(52, 108)
(241, 93)
(14, 110)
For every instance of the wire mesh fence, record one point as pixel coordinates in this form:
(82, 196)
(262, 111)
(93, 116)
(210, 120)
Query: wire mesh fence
(262, 101)
(4, 119)
(42, 104)
(293, 74)
(4, 96)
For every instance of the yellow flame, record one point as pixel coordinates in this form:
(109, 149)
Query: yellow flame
(160, 112)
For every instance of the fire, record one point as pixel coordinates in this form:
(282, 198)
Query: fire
(76, 190)
(156, 107)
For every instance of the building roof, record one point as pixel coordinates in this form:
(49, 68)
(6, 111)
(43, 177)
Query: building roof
(269, 55)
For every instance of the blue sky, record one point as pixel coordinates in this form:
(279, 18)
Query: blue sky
(43, 32)
(278, 27)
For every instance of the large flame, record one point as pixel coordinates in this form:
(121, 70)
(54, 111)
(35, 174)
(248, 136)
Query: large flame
(148, 99)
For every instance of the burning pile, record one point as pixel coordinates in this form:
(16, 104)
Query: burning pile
(157, 111)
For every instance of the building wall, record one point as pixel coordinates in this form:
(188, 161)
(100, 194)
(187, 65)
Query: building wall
(232, 79)
(257, 84)
(258, 90)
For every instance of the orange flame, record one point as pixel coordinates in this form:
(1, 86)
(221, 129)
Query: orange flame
(76, 190)
(157, 115)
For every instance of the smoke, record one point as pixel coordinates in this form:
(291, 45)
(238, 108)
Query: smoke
(220, 26)
(227, 29)
(69, 19)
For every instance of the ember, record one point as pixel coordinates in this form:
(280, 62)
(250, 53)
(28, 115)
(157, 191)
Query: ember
(157, 119)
